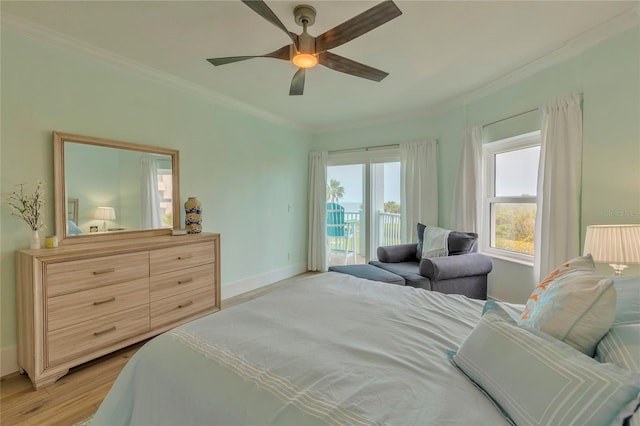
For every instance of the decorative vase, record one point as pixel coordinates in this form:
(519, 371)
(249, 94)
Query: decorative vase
(35, 240)
(193, 216)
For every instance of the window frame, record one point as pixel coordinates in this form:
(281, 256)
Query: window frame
(489, 151)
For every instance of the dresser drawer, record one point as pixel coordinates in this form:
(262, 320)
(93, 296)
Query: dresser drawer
(86, 337)
(172, 284)
(77, 275)
(74, 308)
(171, 309)
(181, 257)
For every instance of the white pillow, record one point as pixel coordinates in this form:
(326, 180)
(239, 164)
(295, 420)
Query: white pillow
(574, 304)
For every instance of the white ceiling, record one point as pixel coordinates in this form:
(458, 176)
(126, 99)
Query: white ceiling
(434, 52)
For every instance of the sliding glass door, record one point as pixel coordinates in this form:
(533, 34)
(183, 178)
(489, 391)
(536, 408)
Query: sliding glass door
(363, 205)
(345, 219)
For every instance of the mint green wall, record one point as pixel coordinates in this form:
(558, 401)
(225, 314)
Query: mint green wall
(246, 171)
(607, 74)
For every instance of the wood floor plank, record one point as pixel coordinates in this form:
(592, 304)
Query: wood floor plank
(69, 400)
(78, 395)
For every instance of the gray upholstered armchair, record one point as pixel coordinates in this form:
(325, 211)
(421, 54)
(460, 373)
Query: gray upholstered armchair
(463, 271)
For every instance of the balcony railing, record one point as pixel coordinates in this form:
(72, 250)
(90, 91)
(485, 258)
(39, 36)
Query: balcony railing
(388, 229)
(388, 225)
(388, 233)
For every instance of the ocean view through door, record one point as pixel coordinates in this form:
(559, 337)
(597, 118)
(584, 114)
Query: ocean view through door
(363, 209)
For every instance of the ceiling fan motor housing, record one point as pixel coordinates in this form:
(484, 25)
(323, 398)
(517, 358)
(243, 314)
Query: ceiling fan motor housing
(305, 16)
(303, 13)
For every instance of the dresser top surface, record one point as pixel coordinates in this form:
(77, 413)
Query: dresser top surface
(119, 246)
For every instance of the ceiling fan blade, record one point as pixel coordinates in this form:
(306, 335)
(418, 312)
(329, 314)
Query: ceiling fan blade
(297, 83)
(283, 53)
(263, 10)
(358, 25)
(229, 60)
(348, 66)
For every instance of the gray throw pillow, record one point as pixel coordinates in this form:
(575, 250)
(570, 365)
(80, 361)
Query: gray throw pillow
(459, 242)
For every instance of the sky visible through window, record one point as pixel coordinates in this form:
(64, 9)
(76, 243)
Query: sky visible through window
(350, 177)
(516, 172)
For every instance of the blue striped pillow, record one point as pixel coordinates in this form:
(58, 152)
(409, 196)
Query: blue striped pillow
(621, 346)
(537, 379)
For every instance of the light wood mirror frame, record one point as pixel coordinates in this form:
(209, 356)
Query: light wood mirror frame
(61, 200)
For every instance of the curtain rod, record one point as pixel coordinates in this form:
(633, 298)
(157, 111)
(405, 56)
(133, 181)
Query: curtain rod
(369, 148)
(511, 116)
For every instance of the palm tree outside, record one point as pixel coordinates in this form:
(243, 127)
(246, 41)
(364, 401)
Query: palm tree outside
(335, 191)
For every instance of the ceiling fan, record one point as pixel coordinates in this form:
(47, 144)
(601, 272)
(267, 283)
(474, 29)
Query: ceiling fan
(306, 51)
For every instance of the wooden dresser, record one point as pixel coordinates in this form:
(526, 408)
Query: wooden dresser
(79, 302)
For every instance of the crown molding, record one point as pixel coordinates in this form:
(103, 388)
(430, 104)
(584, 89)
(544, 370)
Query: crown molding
(55, 39)
(566, 51)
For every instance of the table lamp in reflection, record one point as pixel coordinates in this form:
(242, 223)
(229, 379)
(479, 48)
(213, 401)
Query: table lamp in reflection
(104, 214)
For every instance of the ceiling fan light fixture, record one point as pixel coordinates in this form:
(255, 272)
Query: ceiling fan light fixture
(305, 60)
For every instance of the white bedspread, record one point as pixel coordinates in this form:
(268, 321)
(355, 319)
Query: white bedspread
(329, 349)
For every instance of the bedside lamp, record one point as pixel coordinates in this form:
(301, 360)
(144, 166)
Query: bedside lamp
(617, 245)
(104, 214)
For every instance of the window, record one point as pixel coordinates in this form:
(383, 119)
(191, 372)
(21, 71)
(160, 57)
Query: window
(165, 189)
(509, 211)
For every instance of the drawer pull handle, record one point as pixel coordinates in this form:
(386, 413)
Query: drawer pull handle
(104, 271)
(100, 302)
(185, 257)
(188, 280)
(184, 305)
(108, 330)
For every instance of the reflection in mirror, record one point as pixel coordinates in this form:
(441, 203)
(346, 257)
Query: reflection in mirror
(109, 187)
(117, 190)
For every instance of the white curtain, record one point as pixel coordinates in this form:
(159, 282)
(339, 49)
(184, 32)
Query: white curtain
(150, 198)
(419, 187)
(317, 251)
(466, 207)
(559, 183)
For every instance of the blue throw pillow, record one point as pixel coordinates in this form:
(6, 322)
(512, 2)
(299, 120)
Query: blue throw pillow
(628, 299)
(537, 379)
(621, 346)
(72, 228)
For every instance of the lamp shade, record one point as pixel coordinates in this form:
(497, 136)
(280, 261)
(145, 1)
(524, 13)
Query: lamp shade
(105, 213)
(613, 243)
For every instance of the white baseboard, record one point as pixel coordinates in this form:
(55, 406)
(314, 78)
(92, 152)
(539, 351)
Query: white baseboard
(9, 356)
(8, 360)
(252, 283)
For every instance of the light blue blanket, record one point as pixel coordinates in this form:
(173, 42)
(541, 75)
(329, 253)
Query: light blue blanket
(329, 349)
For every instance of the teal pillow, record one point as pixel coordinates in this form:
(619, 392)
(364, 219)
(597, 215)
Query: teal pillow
(72, 228)
(628, 299)
(621, 346)
(536, 379)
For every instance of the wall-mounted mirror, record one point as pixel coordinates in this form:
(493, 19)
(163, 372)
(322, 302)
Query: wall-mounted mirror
(107, 189)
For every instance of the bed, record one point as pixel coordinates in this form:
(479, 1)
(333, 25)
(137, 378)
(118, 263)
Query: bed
(329, 349)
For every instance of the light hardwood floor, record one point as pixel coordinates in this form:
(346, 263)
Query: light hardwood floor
(78, 395)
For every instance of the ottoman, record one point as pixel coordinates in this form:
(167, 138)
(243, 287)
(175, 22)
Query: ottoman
(369, 272)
